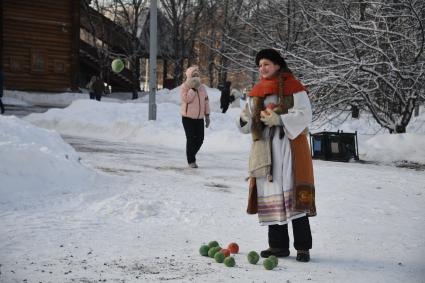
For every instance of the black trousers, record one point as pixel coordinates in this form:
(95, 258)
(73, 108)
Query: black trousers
(194, 130)
(279, 238)
(94, 95)
(98, 96)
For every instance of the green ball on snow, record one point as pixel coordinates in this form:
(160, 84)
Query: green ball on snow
(253, 257)
(212, 251)
(229, 261)
(268, 264)
(219, 257)
(203, 250)
(213, 244)
(274, 259)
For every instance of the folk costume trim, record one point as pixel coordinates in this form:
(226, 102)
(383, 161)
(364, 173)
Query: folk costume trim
(304, 194)
(301, 198)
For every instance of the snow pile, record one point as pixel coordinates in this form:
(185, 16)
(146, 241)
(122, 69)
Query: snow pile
(396, 148)
(36, 162)
(375, 143)
(365, 126)
(49, 99)
(115, 119)
(129, 122)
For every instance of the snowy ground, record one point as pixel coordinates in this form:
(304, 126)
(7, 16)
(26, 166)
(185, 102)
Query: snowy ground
(124, 207)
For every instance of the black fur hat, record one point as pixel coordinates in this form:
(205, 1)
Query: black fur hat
(273, 56)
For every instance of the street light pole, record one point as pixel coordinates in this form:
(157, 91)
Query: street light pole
(152, 58)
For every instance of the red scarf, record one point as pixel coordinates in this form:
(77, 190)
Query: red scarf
(270, 86)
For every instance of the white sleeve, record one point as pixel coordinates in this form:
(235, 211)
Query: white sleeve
(298, 117)
(245, 129)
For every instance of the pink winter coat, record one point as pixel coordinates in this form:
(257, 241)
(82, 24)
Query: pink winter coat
(194, 104)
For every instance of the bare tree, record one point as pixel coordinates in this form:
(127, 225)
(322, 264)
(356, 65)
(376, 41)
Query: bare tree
(185, 17)
(130, 14)
(374, 56)
(218, 19)
(364, 53)
(226, 36)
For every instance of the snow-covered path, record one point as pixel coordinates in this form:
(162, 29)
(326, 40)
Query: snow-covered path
(147, 223)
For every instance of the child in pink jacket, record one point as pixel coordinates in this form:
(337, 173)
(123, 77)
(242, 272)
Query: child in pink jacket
(194, 108)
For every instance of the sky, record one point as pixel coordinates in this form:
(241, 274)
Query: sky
(94, 191)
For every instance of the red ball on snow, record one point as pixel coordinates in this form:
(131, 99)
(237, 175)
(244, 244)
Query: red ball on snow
(226, 252)
(233, 248)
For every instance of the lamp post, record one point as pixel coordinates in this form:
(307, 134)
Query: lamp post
(152, 58)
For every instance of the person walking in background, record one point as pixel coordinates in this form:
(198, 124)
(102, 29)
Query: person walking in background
(277, 114)
(1, 92)
(89, 86)
(98, 88)
(194, 109)
(225, 97)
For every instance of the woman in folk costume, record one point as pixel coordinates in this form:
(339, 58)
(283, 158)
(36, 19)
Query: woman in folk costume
(194, 108)
(277, 114)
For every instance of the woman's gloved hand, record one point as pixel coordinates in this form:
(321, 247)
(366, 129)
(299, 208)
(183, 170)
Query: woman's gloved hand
(207, 121)
(270, 118)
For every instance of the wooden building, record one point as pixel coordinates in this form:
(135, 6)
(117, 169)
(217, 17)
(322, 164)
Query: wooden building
(40, 44)
(43, 46)
(119, 42)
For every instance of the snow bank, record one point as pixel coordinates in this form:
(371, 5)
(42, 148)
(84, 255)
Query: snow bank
(114, 119)
(396, 148)
(57, 99)
(36, 162)
(375, 143)
(129, 122)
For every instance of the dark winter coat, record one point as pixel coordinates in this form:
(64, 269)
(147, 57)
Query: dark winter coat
(225, 97)
(98, 86)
